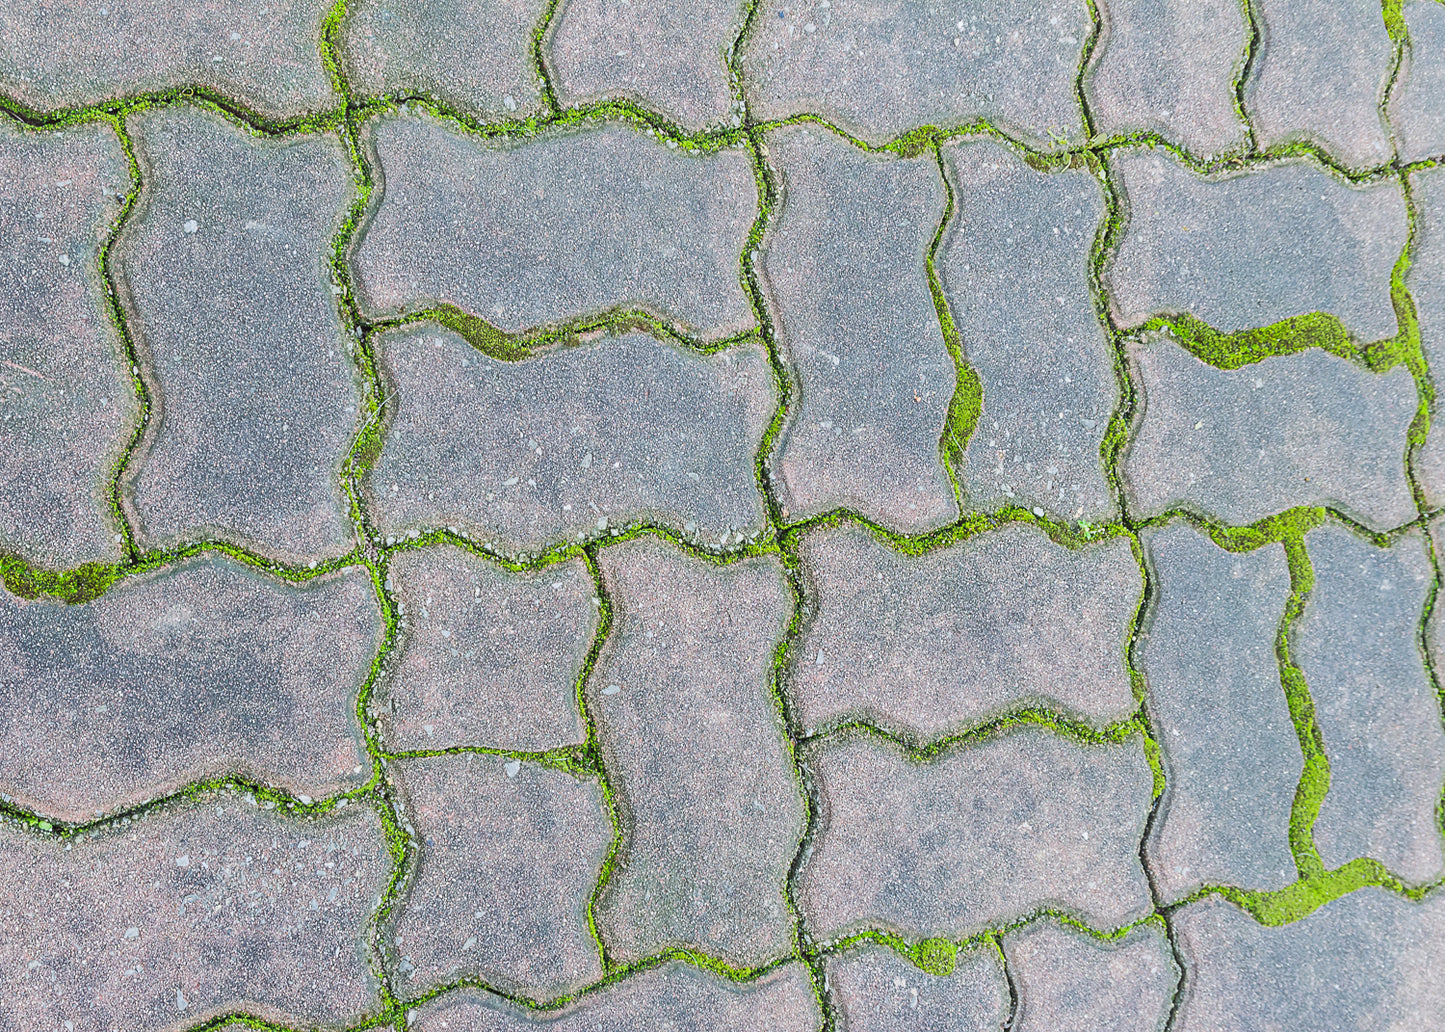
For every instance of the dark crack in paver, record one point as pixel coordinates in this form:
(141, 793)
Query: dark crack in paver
(846, 265)
(1417, 104)
(571, 224)
(1367, 960)
(66, 403)
(692, 740)
(1319, 76)
(979, 837)
(1216, 703)
(673, 998)
(509, 852)
(1166, 66)
(574, 441)
(1375, 705)
(942, 641)
(233, 306)
(490, 657)
(476, 53)
(1426, 281)
(206, 909)
(1015, 271)
(882, 67)
(876, 990)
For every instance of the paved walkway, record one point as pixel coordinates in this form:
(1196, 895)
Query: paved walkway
(596, 515)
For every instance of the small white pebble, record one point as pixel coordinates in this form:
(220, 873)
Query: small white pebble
(63, 259)
(183, 861)
(513, 766)
(191, 226)
(611, 689)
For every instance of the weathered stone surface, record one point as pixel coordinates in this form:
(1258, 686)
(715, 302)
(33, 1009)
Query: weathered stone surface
(199, 670)
(196, 911)
(1230, 753)
(1303, 429)
(977, 838)
(846, 265)
(1318, 78)
(875, 990)
(489, 657)
(1166, 66)
(569, 224)
(68, 53)
(573, 440)
(668, 57)
(509, 854)
(1251, 249)
(1067, 980)
(255, 403)
(1426, 281)
(474, 53)
(692, 739)
(939, 642)
(1417, 105)
(1016, 274)
(882, 67)
(1373, 701)
(1367, 960)
(66, 403)
(673, 998)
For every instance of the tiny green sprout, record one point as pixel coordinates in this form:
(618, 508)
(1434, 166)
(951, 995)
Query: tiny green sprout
(935, 956)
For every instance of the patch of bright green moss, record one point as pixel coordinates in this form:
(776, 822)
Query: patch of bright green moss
(490, 340)
(86, 582)
(935, 956)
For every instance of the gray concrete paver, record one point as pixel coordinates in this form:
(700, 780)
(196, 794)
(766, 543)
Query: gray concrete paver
(1417, 104)
(1068, 980)
(877, 991)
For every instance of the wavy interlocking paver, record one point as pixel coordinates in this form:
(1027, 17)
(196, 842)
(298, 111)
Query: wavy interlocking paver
(845, 262)
(66, 403)
(1417, 104)
(209, 908)
(254, 395)
(1230, 753)
(573, 441)
(691, 737)
(490, 657)
(934, 643)
(200, 670)
(1166, 66)
(1426, 281)
(1015, 272)
(508, 855)
(875, 990)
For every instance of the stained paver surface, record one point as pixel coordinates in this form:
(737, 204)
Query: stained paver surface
(835, 516)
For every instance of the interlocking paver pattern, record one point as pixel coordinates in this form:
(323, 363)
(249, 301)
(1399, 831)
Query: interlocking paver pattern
(1067, 980)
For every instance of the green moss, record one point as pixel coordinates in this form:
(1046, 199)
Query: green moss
(488, 339)
(1307, 895)
(936, 956)
(82, 584)
(1233, 350)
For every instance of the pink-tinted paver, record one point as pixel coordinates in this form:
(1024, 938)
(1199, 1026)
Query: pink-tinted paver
(845, 261)
(692, 739)
(196, 671)
(252, 383)
(488, 657)
(937, 642)
(672, 998)
(509, 854)
(1417, 103)
(1067, 980)
(875, 990)
(66, 403)
(976, 838)
(215, 907)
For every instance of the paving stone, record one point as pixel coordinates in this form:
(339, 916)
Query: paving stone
(1016, 273)
(1426, 281)
(1251, 249)
(615, 430)
(186, 673)
(252, 381)
(846, 266)
(1417, 104)
(668, 58)
(1374, 703)
(193, 912)
(1303, 429)
(1230, 753)
(489, 657)
(75, 52)
(1067, 980)
(568, 224)
(66, 405)
(1165, 66)
(976, 839)
(476, 54)
(509, 855)
(881, 67)
(691, 739)
(875, 990)
(939, 642)
(671, 998)
(1367, 960)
